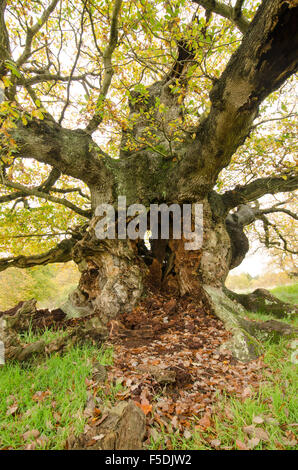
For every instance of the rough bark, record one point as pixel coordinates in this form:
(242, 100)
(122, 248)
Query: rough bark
(112, 278)
(115, 274)
(243, 345)
(123, 428)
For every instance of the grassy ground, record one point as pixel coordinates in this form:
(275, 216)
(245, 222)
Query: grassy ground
(287, 293)
(42, 402)
(46, 399)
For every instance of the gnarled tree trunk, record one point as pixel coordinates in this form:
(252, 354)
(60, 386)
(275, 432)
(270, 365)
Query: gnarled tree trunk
(114, 274)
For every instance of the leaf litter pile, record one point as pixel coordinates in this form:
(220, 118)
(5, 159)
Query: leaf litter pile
(167, 360)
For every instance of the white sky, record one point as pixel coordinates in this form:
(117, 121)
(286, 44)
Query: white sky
(255, 262)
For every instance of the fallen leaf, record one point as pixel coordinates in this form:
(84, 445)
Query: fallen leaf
(253, 442)
(12, 410)
(99, 437)
(215, 443)
(258, 420)
(205, 421)
(249, 429)
(96, 412)
(289, 442)
(154, 434)
(240, 445)
(90, 405)
(32, 434)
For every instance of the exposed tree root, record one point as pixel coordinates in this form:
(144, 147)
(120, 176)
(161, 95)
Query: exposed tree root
(25, 316)
(245, 344)
(271, 329)
(261, 300)
(247, 335)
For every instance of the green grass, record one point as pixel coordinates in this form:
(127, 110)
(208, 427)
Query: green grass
(287, 293)
(47, 335)
(60, 410)
(262, 317)
(276, 399)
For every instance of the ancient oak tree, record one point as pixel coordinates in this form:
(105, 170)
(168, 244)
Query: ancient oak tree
(161, 102)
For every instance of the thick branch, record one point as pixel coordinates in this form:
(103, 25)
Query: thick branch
(72, 152)
(60, 254)
(266, 57)
(233, 14)
(258, 188)
(185, 55)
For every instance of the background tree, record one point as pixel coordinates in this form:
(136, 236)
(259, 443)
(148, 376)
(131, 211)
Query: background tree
(165, 101)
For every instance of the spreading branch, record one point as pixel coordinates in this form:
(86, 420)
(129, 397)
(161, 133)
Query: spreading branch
(233, 14)
(108, 69)
(32, 31)
(60, 254)
(258, 188)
